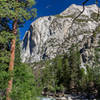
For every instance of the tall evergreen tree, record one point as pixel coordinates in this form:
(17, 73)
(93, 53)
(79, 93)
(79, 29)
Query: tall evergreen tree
(23, 80)
(5, 37)
(17, 12)
(4, 61)
(74, 63)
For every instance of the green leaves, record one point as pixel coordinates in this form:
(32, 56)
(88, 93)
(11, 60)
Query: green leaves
(5, 36)
(23, 83)
(4, 60)
(60, 71)
(22, 10)
(23, 80)
(23, 87)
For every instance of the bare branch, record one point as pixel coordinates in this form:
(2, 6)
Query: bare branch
(80, 12)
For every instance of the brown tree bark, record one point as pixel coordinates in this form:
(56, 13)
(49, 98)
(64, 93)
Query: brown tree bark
(12, 58)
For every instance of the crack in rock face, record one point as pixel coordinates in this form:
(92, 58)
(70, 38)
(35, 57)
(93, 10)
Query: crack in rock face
(53, 35)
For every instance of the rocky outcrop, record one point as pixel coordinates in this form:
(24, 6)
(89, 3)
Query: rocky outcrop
(53, 35)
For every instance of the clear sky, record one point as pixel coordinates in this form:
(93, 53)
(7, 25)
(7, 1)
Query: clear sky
(50, 7)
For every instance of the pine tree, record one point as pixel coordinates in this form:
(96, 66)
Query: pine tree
(17, 12)
(5, 37)
(74, 63)
(23, 81)
(66, 71)
(4, 61)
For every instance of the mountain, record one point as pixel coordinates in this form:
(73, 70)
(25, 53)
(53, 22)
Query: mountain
(54, 35)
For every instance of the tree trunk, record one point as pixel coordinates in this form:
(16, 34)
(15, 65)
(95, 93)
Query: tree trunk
(12, 58)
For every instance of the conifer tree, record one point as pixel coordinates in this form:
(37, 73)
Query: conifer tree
(23, 80)
(5, 37)
(17, 12)
(4, 61)
(74, 63)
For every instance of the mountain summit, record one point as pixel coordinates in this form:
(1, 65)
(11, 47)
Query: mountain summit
(54, 35)
(76, 9)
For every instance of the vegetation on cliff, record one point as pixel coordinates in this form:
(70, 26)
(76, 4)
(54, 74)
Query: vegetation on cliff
(60, 74)
(63, 74)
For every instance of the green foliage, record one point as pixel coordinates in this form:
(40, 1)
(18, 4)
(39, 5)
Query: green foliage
(83, 80)
(21, 9)
(23, 83)
(81, 20)
(17, 51)
(24, 86)
(97, 55)
(64, 73)
(97, 30)
(58, 72)
(74, 61)
(89, 74)
(96, 75)
(68, 16)
(92, 74)
(95, 16)
(48, 77)
(4, 61)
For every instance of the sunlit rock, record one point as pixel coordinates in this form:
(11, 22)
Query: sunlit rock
(54, 35)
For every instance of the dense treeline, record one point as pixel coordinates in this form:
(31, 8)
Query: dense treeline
(64, 74)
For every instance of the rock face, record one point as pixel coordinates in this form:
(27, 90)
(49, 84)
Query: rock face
(52, 35)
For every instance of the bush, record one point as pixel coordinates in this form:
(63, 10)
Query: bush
(23, 83)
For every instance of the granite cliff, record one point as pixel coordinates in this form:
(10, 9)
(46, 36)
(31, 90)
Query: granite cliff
(53, 35)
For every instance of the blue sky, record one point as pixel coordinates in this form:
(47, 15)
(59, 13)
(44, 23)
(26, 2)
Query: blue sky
(50, 7)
